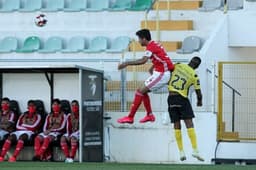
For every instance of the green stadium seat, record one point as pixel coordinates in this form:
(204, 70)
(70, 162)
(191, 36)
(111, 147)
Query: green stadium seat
(30, 45)
(141, 5)
(31, 5)
(76, 5)
(8, 44)
(97, 44)
(52, 45)
(75, 44)
(10, 5)
(121, 5)
(119, 45)
(53, 5)
(98, 5)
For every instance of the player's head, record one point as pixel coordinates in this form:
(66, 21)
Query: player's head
(195, 62)
(31, 107)
(56, 106)
(75, 107)
(144, 36)
(5, 104)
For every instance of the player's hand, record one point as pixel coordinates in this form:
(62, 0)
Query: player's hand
(151, 69)
(46, 132)
(199, 103)
(121, 66)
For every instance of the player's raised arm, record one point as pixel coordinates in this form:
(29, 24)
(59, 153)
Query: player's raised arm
(141, 61)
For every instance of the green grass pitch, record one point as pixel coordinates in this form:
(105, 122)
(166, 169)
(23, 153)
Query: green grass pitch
(115, 166)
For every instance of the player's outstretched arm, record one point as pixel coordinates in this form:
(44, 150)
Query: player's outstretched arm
(199, 98)
(141, 61)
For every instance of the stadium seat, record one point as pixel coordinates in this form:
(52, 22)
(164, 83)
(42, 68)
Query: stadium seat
(65, 106)
(119, 45)
(40, 107)
(235, 4)
(97, 44)
(121, 5)
(141, 5)
(14, 105)
(31, 44)
(10, 5)
(75, 44)
(52, 45)
(8, 44)
(190, 44)
(98, 5)
(31, 5)
(76, 5)
(53, 5)
(210, 5)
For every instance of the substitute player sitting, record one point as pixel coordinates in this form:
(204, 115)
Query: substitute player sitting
(7, 118)
(72, 135)
(179, 107)
(162, 65)
(54, 126)
(28, 124)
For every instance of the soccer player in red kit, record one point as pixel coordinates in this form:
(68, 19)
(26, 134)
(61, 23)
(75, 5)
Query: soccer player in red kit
(72, 135)
(162, 67)
(28, 124)
(7, 118)
(54, 126)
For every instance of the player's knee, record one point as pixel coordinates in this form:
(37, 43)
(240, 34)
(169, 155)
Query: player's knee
(23, 137)
(73, 140)
(63, 139)
(177, 125)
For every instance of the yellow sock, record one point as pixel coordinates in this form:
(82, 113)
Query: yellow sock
(192, 136)
(179, 139)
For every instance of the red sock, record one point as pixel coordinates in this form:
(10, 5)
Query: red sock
(147, 105)
(64, 148)
(45, 145)
(74, 147)
(136, 103)
(6, 147)
(19, 146)
(37, 145)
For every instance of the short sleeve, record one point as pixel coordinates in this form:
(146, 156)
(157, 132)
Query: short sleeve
(148, 53)
(196, 82)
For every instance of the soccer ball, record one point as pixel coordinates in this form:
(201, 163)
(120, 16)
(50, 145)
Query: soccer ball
(40, 20)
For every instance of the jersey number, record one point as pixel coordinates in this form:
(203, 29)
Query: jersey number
(176, 85)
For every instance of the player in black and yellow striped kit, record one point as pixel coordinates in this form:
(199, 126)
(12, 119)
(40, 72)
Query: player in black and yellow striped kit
(179, 107)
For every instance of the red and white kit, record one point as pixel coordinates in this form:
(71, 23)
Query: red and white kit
(162, 66)
(27, 125)
(56, 125)
(72, 126)
(5, 118)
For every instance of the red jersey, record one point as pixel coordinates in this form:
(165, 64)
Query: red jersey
(55, 124)
(158, 56)
(72, 124)
(30, 124)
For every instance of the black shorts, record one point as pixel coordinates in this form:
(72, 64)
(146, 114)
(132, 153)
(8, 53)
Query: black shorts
(179, 108)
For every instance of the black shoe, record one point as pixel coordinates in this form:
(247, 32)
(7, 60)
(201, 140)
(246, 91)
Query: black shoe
(36, 158)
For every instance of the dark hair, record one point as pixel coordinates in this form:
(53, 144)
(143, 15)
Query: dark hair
(144, 33)
(6, 99)
(56, 101)
(197, 58)
(31, 102)
(75, 101)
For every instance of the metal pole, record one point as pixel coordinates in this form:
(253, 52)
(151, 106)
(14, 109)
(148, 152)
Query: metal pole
(233, 110)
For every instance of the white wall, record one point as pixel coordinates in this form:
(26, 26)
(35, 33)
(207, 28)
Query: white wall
(23, 87)
(155, 142)
(242, 26)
